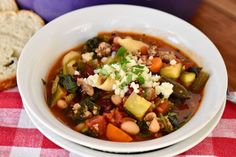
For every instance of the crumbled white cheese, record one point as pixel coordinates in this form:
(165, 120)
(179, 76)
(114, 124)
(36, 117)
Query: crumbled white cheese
(76, 107)
(104, 59)
(76, 72)
(92, 80)
(87, 56)
(150, 57)
(166, 89)
(135, 87)
(173, 62)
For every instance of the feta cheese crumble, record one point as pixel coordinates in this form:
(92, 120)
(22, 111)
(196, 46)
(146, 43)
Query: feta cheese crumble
(87, 56)
(135, 87)
(166, 89)
(173, 62)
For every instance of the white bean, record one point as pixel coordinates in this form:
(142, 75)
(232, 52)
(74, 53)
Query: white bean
(62, 104)
(150, 116)
(130, 127)
(154, 126)
(116, 99)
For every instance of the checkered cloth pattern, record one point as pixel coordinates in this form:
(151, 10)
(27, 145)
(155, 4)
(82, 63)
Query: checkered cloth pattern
(20, 138)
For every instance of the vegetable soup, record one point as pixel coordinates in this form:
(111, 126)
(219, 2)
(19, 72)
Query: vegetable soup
(125, 87)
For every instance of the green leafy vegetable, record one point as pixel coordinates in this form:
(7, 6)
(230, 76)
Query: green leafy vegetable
(68, 82)
(91, 44)
(196, 70)
(167, 125)
(173, 119)
(142, 125)
(90, 104)
(144, 132)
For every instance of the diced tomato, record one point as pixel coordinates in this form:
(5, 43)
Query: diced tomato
(144, 50)
(163, 107)
(188, 64)
(101, 123)
(115, 116)
(88, 70)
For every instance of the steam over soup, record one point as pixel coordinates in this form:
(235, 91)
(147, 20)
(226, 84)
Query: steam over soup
(125, 87)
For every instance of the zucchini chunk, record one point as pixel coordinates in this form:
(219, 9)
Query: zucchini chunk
(172, 71)
(187, 78)
(68, 61)
(137, 105)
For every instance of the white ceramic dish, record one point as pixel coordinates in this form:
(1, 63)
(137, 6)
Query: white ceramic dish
(164, 152)
(73, 28)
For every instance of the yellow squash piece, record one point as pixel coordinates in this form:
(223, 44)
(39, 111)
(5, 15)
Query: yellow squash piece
(131, 45)
(172, 71)
(137, 105)
(187, 78)
(68, 60)
(105, 85)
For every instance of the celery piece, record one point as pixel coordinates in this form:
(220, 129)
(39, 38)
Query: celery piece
(200, 81)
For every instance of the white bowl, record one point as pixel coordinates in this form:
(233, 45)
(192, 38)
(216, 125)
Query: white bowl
(69, 30)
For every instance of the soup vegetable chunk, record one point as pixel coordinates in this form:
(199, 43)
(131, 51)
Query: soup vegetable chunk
(125, 87)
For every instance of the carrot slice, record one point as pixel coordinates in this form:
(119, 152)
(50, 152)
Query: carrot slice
(115, 134)
(156, 64)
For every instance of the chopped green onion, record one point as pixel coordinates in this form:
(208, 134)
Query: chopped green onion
(138, 66)
(121, 52)
(129, 78)
(117, 75)
(137, 71)
(141, 79)
(103, 72)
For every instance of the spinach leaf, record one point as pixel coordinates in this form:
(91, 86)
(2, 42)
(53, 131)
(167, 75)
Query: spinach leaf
(142, 125)
(91, 44)
(173, 119)
(196, 70)
(68, 82)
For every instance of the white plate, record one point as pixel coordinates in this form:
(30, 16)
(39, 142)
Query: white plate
(168, 151)
(73, 28)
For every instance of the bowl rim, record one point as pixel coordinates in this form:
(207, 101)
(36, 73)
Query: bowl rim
(97, 143)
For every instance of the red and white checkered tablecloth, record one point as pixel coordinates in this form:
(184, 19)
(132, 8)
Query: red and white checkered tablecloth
(20, 138)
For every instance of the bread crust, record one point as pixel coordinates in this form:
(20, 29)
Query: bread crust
(12, 6)
(40, 20)
(12, 13)
(10, 81)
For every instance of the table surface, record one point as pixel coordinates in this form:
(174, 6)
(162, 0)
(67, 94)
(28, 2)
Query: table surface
(216, 18)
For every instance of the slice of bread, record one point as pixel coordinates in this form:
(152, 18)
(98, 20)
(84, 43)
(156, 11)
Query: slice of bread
(8, 5)
(15, 30)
